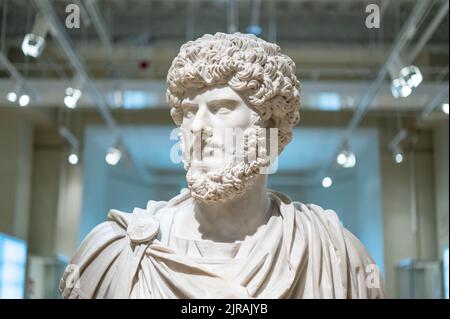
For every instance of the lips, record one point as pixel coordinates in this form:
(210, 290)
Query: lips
(208, 149)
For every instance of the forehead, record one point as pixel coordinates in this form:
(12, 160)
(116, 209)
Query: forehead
(211, 93)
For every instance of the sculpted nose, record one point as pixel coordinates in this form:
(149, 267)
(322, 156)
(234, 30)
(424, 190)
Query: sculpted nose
(201, 119)
(200, 125)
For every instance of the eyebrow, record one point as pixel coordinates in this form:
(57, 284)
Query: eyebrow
(188, 104)
(212, 103)
(223, 101)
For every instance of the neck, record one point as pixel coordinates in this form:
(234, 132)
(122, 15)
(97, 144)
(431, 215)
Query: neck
(236, 218)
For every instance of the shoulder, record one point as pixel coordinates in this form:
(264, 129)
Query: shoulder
(323, 226)
(92, 260)
(328, 220)
(96, 262)
(364, 278)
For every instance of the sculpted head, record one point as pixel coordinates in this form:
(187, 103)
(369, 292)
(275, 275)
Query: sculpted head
(230, 81)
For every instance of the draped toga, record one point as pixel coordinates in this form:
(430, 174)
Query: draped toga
(302, 252)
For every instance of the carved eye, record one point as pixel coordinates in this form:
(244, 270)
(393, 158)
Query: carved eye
(189, 112)
(222, 109)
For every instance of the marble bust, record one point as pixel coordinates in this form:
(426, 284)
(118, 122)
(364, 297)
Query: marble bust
(226, 235)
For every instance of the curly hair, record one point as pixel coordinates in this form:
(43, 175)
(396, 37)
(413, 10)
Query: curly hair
(251, 66)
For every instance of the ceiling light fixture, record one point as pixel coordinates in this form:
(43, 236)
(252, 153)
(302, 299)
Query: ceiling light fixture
(113, 156)
(34, 42)
(398, 157)
(73, 158)
(327, 182)
(72, 97)
(404, 78)
(24, 100)
(445, 108)
(346, 158)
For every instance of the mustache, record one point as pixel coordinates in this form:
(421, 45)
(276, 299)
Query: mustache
(205, 139)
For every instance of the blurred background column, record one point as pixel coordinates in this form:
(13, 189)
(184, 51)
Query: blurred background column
(55, 199)
(440, 135)
(16, 149)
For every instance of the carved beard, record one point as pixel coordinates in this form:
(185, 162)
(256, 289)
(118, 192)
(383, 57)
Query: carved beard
(235, 178)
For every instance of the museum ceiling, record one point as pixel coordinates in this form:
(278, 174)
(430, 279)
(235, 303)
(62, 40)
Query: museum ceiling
(327, 39)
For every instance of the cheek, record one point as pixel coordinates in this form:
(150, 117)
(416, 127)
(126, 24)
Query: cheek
(185, 123)
(238, 118)
(185, 137)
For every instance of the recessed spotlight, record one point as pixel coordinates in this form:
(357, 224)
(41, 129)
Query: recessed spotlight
(73, 159)
(400, 88)
(346, 159)
(327, 182)
(411, 75)
(24, 99)
(33, 45)
(11, 96)
(445, 108)
(70, 102)
(72, 97)
(398, 157)
(34, 42)
(113, 156)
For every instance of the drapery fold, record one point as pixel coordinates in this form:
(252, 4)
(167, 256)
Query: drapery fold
(307, 254)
